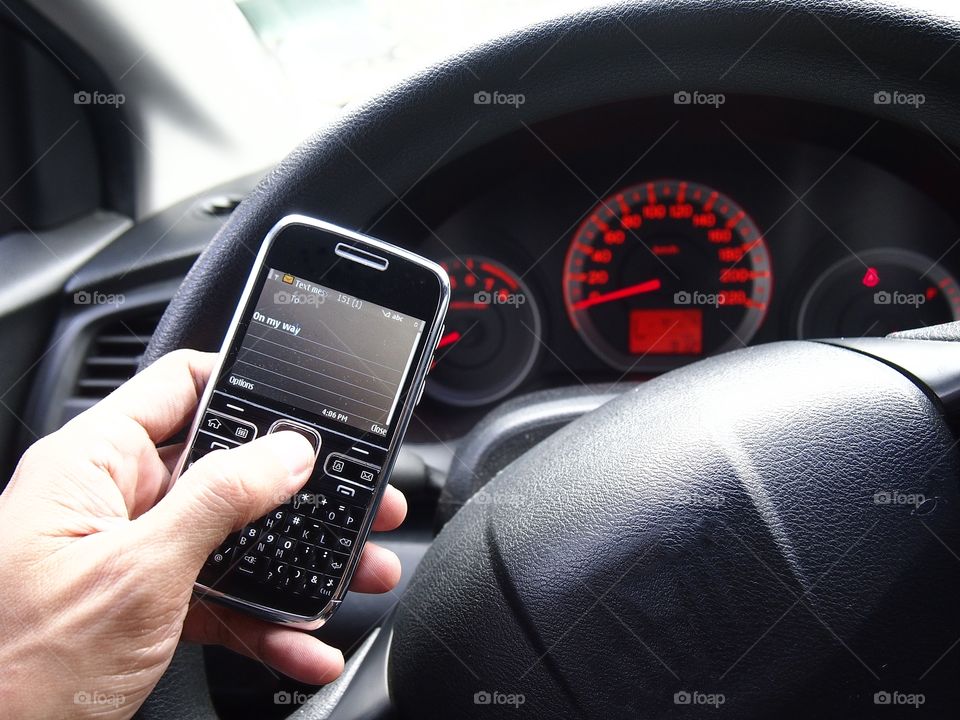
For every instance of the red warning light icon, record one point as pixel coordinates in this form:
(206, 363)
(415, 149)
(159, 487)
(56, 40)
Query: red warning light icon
(870, 277)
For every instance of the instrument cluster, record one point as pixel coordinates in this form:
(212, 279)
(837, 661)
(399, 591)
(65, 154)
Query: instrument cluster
(579, 258)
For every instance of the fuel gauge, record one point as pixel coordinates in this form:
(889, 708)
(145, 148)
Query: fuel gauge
(879, 292)
(492, 335)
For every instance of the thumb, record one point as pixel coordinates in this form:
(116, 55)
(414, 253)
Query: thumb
(225, 490)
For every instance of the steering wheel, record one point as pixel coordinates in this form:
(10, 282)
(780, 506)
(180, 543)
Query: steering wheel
(771, 530)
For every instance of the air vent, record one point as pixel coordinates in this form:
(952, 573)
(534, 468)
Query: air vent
(221, 205)
(114, 355)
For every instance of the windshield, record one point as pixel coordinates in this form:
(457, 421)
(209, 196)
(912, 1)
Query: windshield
(338, 52)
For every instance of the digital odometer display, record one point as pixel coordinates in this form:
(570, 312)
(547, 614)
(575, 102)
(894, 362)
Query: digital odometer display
(665, 272)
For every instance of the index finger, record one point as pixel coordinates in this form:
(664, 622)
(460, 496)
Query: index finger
(164, 396)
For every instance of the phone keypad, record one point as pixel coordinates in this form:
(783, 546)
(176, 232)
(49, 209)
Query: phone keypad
(308, 556)
(303, 547)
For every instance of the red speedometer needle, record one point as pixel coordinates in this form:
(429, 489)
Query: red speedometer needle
(449, 339)
(638, 289)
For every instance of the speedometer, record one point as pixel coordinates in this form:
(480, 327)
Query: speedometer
(665, 272)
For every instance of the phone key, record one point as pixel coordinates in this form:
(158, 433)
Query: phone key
(340, 539)
(326, 539)
(311, 533)
(294, 524)
(285, 548)
(320, 559)
(321, 535)
(336, 564)
(265, 573)
(352, 518)
(328, 586)
(310, 580)
(301, 500)
(221, 556)
(313, 582)
(305, 556)
(330, 515)
(320, 501)
(268, 538)
(248, 535)
(249, 563)
(293, 578)
(274, 519)
(287, 543)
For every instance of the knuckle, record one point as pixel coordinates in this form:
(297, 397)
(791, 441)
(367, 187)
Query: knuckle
(181, 356)
(40, 448)
(227, 479)
(112, 436)
(43, 453)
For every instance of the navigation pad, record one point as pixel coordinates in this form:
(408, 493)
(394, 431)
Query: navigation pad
(308, 432)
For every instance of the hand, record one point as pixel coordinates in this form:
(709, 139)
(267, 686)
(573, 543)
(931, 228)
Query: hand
(98, 556)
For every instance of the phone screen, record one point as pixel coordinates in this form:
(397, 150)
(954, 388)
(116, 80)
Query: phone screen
(338, 357)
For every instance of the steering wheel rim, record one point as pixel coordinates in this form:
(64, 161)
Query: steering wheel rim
(349, 172)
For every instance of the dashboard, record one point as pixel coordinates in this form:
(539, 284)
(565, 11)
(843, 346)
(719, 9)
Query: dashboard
(622, 243)
(598, 249)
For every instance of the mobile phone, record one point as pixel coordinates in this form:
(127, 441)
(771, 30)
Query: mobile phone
(332, 338)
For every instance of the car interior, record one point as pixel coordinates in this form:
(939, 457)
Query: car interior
(689, 446)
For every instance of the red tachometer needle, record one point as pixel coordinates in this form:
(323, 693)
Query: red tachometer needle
(449, 339)
(467, 305)
(638, 289)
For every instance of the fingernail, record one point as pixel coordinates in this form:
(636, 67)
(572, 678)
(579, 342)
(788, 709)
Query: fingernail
(295, 451)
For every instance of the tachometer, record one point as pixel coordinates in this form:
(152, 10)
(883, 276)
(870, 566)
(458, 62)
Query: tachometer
(492, 334)
(665, 272)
